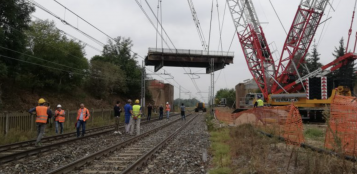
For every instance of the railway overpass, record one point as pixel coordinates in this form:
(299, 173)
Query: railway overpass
(160, 57)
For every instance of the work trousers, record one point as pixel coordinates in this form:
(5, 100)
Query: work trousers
(161, 115)
(117, 120)
(183, 116)
(40, 131)
(149, 116)
(167, 114)
(60, 125)
(132, 125)
(79, 124)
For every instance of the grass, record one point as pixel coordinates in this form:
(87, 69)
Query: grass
(220, 148)
(16, 135)
(314, 133)
(243, 150)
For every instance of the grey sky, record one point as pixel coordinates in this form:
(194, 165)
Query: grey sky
(124, 18)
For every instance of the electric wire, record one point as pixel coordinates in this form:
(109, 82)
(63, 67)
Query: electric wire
(65, 22)
(160, 24)
(75, 38)
(323, 28)
(278, 17)
(210, 27)
(76, 28)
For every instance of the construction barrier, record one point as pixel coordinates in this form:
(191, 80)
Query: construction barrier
(282, 121)
(341, 133)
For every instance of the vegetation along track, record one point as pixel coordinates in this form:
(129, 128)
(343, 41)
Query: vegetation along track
(20, 150)
(127, 156)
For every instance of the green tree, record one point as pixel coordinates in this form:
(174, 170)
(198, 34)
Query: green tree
(118, 52)
(187, 102)
(14, 20)
(312, 62)
(228, 94)
(105, 79)
(345, 76)
(61, 64)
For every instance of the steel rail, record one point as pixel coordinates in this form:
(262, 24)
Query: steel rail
(105, 152)
(46, 148)
(46, 139)
(145, 158)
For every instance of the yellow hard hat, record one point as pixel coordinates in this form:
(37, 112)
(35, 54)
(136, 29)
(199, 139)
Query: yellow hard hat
(41, 101)
(137, 101)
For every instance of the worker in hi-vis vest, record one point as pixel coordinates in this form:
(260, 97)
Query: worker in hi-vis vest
(43, 113)
(60, 117)
(135, 118)
(259, 103)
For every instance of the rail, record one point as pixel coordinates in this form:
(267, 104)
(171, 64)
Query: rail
(190, 52)
(85, 160)
(23, 121)
(49, 147)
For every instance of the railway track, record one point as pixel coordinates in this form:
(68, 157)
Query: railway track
(127, 156)
(20, 150)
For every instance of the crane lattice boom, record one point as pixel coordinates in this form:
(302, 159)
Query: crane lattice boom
(254, 45)
(297, 43)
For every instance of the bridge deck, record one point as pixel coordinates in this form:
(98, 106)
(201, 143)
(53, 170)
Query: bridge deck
(188, 58)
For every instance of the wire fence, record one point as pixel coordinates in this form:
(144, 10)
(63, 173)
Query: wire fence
(26, 121)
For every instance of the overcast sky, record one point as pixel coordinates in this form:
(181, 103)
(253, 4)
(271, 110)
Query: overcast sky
(124, 18)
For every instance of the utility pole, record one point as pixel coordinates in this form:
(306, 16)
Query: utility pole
(212, 85)
(143, 75)
(179, 97)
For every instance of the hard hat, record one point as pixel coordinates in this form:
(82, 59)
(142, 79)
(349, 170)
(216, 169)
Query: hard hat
(129, 101)
(41, 101)
(167, 103)
(59, 106)
(259, 96)
(137, 101)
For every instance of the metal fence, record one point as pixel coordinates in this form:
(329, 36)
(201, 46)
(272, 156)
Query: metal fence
(192, 52)
(26, 122)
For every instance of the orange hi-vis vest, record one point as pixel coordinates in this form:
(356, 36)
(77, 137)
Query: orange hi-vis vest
(60, 118)
(168, 107)
(85, 114)
(41, 112)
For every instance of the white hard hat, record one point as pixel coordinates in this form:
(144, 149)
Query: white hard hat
(59, 106)
(167, 102)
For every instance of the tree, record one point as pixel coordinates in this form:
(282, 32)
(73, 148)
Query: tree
(312, 62)
(119, 53)
(105, 79)
(187, 102)
(228, 94)
(14, 20)
(345, 76)
(60, 62)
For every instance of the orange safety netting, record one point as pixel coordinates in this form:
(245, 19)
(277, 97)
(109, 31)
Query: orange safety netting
(282, 121)
(341, 133)
(293, 129)
(223, 116)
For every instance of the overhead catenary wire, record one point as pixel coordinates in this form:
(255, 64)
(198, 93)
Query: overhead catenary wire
(323, 28)
(163, 30)
(210, 27)
(278, 17)
(160, 23)
(75, 38)
(65, 22)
